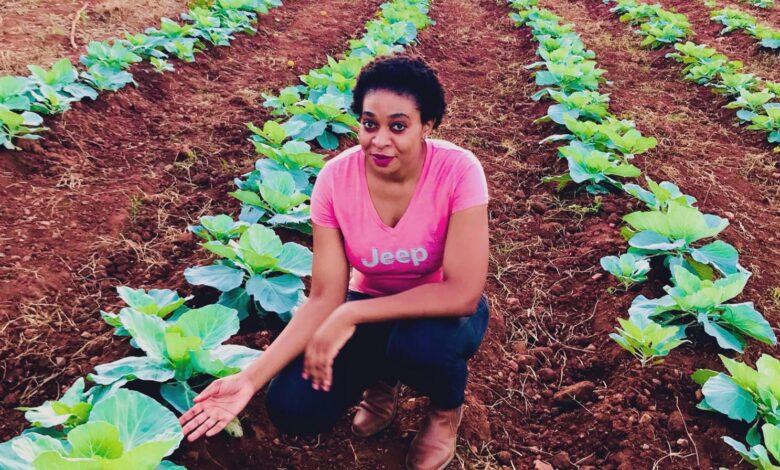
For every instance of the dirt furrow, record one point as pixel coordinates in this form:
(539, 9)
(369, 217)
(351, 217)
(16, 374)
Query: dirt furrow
(106, 198)
(732, 174)
(728, 168)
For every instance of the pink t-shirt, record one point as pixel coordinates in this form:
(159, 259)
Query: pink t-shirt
(387, 260)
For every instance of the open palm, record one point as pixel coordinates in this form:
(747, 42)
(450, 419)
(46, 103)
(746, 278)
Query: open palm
(216, 406)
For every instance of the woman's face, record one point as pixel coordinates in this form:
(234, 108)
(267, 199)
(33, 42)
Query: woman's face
(391, 131)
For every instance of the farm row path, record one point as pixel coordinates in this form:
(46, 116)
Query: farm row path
(35, 32)
(105, 199)
(737, 45)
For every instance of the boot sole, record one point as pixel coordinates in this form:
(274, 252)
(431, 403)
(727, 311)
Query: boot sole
(389, 422)
(449, 461)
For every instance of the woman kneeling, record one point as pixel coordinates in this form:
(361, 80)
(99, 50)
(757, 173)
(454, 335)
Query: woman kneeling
(409, 215)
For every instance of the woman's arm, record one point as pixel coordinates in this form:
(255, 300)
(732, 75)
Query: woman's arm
(465, 266)
(329, 280)
(223, 399)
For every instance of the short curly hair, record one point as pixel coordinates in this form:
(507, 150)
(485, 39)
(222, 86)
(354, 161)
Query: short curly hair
(403, 75)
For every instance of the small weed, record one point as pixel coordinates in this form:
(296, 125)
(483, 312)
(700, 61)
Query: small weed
(677, 117)
(136, 202)
(774, 294)
(190, 159)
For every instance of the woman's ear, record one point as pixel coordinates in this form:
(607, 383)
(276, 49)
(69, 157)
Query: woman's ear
(427, 128)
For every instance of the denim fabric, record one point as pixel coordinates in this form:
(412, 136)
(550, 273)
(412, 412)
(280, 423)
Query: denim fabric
(427, 354)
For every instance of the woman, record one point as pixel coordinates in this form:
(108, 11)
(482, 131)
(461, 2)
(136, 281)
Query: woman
(409, 214)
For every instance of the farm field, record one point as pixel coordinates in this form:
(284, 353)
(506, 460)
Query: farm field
(105, 199)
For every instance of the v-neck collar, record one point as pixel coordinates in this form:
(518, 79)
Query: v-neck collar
(418, 187)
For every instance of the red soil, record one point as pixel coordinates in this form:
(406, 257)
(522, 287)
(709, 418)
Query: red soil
(105, 199)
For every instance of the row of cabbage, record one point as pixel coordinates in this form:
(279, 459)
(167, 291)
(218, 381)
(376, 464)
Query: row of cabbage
(25, 100)
(599, 149)
(755, 99)
(734, 19)
(760, 3)
(107, 426)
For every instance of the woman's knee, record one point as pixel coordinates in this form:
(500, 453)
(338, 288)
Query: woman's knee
(295, 408)
(425, 342)
(438, 342)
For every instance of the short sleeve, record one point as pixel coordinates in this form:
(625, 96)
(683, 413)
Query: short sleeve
(322, 212)
(470, 187)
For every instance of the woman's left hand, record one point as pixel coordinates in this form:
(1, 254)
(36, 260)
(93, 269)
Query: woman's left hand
(324, 346)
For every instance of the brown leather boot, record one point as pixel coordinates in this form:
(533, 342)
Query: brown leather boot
(377, 410)
(433, 448)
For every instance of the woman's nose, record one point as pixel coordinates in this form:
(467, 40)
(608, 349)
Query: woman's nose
(382, 138)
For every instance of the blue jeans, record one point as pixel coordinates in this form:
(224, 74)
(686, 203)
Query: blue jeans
(427, 354)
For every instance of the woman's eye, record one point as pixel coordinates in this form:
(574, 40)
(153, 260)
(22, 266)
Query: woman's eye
(398, 127)
(368, 124)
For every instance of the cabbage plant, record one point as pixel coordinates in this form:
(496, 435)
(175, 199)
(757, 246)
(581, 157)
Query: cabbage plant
(294, 157)
(411, 11)
(695, 300)
(769, 122)
(570, 75)
(671, 233)
(628, 269)
(102, 77)
(144, 45)
(218, 227)
(323, 121)
(286, 98)
(612, 135)
(767, 37)
(733, 83)
(703, 64)
(335, 78)
(746, 394)
(125, 430)
(400, 33)
(158, 302)
(23, 125)
(758, 455)
(750, 104)
(57, 88)
(597, 169)
(666, 28)
(647, 340)
(276, 202)
(116, 56)
(657, 196)
(12, 93)
(69, 411)
(208, 26)
(733, 19)
(580, 105)
(257, 272)
(179, 352)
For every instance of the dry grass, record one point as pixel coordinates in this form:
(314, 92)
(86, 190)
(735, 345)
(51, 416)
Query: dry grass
(34, 35)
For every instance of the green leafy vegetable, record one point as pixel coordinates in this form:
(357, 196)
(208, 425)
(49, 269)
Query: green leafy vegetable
(647, 340)
(703, 301)
(259, 268)
(672, 232)
(628, 269)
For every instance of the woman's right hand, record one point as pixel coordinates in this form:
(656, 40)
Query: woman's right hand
(216, 406)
